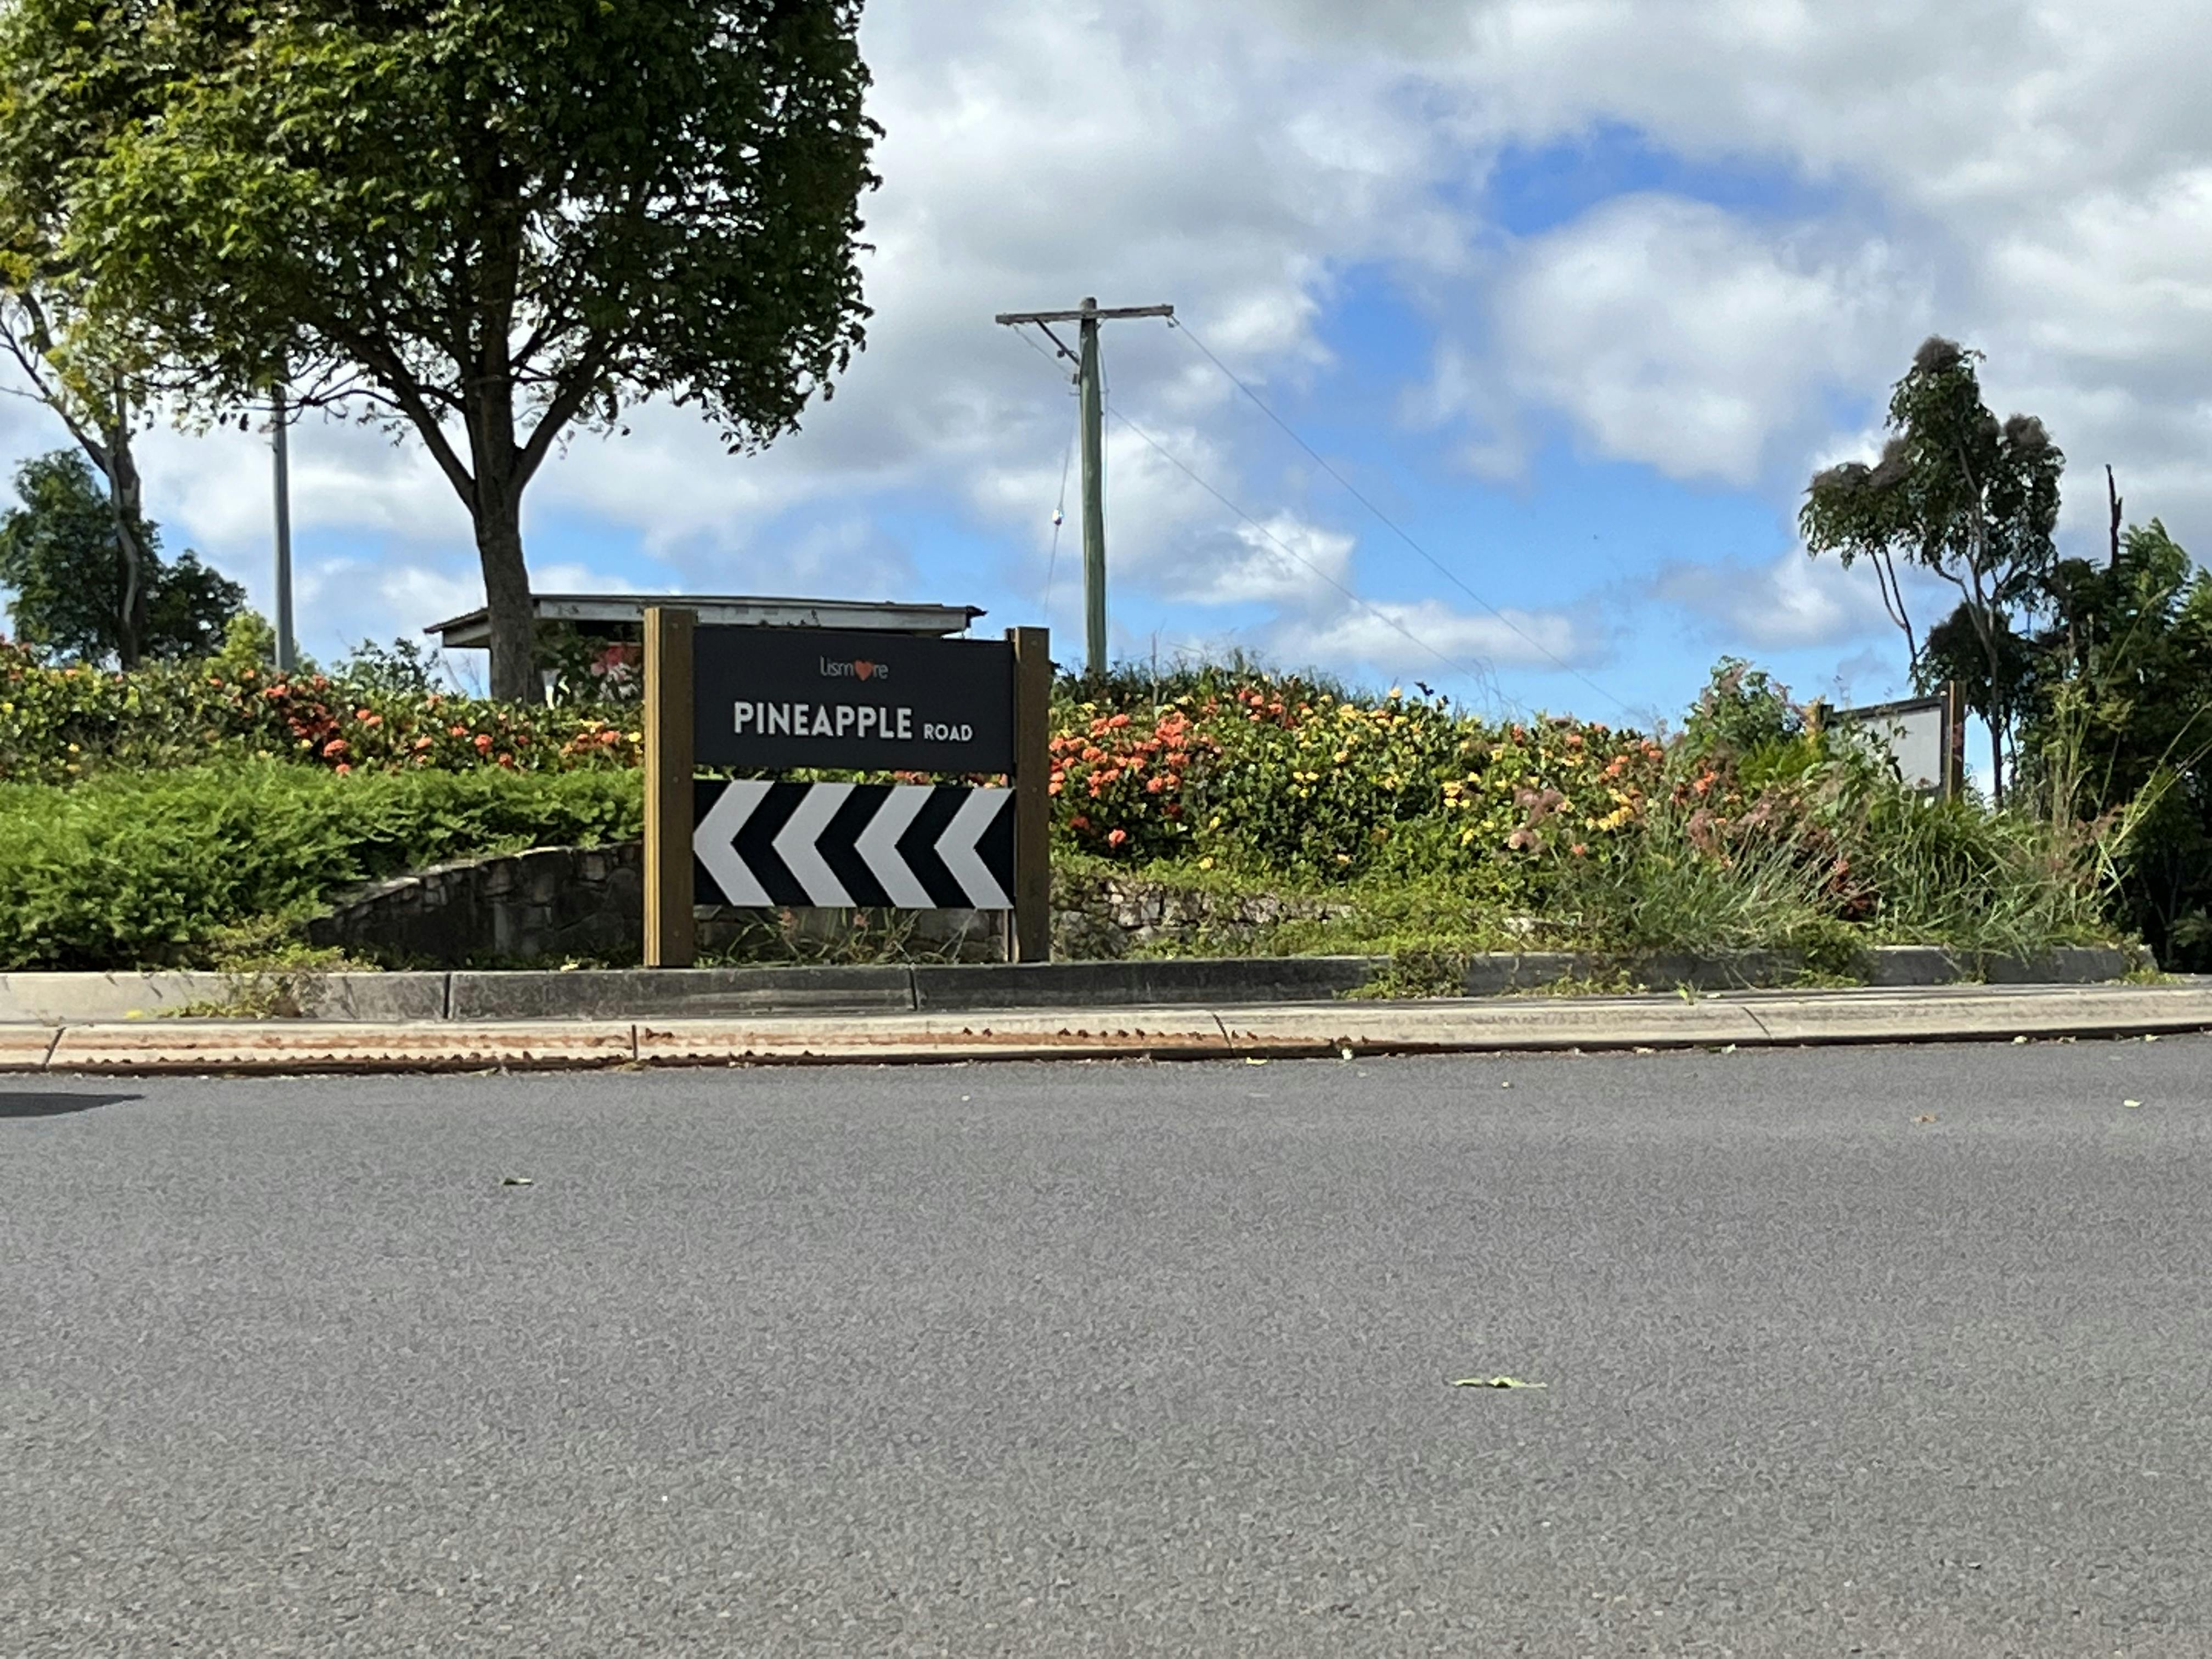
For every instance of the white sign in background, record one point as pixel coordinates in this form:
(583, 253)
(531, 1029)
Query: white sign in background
(1914, 735)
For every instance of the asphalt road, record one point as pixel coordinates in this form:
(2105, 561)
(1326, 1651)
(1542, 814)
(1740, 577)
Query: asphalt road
(1119, 1359)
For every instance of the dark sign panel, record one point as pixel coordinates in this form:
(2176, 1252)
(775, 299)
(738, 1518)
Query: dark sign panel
(915, 846)
(783, 697)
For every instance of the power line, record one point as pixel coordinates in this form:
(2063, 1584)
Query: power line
(1358, 495)
(1480, 677)
(1288, 551)
(1058, 518)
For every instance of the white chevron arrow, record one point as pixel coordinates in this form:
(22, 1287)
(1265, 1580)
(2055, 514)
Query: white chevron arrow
(714, 841)
(795, 843)
(957, 847)
(877, 845)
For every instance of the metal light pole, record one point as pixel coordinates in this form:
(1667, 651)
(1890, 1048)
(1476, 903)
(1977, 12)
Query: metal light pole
(287, 655)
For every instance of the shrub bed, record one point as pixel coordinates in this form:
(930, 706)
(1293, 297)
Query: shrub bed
(154, 869)
(1395, 823)
(61, 723)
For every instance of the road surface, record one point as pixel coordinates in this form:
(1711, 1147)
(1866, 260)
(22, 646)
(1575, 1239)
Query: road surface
(1865, 1351)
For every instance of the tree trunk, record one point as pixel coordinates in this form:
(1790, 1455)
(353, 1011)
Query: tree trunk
(125, 495)
(507, 592)
(1997, 761)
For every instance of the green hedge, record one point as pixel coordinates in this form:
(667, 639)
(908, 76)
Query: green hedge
(63, 723)
(137, 870)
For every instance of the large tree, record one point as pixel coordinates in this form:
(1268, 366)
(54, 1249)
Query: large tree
(1968, 498)
(68, 579)
(87, 380)
(484, 221)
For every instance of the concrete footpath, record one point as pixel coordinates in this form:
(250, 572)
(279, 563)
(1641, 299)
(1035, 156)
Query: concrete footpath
(1280, 1030)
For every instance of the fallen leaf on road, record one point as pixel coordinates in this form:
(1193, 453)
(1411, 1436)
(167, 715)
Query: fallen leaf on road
(1496, 1383)
(1253, 1060)
(1925, 1117)
(516, 1180)
(2019, 1040)
(2132, 1103)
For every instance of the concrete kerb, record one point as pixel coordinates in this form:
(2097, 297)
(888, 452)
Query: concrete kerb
(719, 993)
(1224, 1031)
(699, 992)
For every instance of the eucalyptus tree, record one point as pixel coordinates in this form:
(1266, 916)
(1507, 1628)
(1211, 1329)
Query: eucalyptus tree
(1965, 496)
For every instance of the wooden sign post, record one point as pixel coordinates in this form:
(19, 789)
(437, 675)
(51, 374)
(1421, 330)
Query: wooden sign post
(767, 700)
(1028, 930)
(671, 935)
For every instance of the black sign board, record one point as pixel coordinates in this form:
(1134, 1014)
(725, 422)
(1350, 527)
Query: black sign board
(784, 697)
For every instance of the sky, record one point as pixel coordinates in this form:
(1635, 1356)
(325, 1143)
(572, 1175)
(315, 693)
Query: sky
(1547, 311)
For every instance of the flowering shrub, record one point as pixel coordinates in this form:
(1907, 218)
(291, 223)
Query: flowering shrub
(1119, 785)
(59, 724)
(1274, 774)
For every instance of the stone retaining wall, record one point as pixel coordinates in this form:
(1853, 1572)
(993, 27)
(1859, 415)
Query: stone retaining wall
(547, 904)
(554, 903)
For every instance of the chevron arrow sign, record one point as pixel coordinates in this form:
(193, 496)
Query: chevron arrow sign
(908, 847)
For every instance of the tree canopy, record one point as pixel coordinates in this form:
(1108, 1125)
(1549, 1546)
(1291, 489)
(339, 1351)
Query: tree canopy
(1970, 499)
(59, 557)
(484, 221)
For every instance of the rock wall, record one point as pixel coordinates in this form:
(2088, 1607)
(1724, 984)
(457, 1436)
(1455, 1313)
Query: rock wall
(549, 903)
(555, 903)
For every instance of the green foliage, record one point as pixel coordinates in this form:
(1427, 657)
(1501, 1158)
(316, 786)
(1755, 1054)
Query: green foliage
(1388, 825)
(1966, 497)
(134, 870)
(401, 669)
(1431, 828)
(1741, 712)
(60, 558)
(2121, 689)
(495, 216)
(59, 724)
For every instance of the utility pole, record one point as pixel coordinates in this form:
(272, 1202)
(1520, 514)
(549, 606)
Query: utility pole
(286, 654)
(1087, 317)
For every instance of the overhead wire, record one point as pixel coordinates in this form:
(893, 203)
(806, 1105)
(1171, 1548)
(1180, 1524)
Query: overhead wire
(1479, 676)
(1292, 553)
(1058, 518)
(1396, 528)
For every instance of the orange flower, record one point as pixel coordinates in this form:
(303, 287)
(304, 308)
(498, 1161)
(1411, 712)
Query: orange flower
(483, 743)
(1116, 837)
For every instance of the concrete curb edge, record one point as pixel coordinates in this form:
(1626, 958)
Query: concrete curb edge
(495, 996)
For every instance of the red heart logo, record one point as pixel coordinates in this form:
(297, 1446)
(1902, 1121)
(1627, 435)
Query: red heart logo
(863, 668)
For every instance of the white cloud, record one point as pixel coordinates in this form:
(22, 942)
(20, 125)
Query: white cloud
(1421, 639)
(1675, 334)
(1282, 559)
(1788, 603)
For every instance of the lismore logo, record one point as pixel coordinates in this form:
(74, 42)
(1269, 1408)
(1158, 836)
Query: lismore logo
(859, 669)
